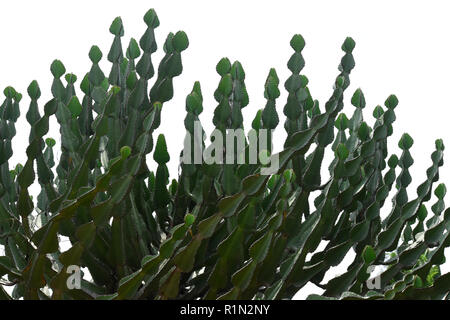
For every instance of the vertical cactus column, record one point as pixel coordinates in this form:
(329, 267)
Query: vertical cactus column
(296, 86)
(9, 112)
(170, 67)
(270, 117)
(115, 54)
(161, 196)
(148, 45)
(403, 180)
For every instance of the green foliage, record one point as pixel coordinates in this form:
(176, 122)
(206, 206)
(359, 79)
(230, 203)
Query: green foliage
(218, 231)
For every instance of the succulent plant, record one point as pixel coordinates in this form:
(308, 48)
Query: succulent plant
(219, 230)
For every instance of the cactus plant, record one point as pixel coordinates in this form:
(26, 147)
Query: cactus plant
(219, 230)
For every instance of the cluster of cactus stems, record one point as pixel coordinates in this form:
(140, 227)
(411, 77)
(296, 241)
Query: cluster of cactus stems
(218, 231)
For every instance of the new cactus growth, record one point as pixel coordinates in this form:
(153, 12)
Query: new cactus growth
(219, 230)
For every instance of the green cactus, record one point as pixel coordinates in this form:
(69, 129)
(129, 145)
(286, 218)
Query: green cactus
(219, 230)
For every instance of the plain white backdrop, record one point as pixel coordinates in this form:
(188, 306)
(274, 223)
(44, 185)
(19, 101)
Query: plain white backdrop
(402, 47)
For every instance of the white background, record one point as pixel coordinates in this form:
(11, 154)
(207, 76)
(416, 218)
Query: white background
(401, 48)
